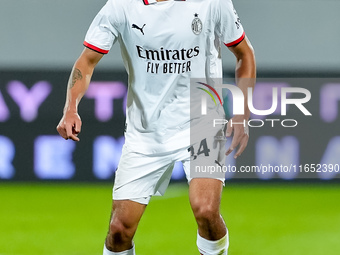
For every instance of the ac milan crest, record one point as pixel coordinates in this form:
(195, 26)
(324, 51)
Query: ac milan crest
(196, 25)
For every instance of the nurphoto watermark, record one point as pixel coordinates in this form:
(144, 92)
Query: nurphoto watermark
(239, 103)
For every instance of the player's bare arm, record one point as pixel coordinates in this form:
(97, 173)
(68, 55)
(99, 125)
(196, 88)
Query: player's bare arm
(70, 124)
(245, 75)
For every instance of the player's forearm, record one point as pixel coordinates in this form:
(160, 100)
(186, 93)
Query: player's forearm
(78, 84)
(245, 75)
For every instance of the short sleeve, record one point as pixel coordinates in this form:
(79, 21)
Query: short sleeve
(228, 25)
(104, 29)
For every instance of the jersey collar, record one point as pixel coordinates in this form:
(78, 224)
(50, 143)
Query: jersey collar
(148, 2)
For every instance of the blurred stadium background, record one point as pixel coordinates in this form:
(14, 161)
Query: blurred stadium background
(55, 195)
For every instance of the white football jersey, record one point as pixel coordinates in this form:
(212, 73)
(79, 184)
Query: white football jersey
(163, 45)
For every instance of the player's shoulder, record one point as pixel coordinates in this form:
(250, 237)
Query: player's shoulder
(221, 5)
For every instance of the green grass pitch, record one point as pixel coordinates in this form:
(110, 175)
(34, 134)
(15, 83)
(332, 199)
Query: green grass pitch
(72, 219)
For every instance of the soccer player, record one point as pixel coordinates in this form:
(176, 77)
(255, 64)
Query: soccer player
(164, 44)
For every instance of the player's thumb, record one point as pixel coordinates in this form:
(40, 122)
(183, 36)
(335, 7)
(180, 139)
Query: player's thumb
(77, 126)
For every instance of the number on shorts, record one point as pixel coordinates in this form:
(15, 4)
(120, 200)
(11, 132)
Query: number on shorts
(203, 148)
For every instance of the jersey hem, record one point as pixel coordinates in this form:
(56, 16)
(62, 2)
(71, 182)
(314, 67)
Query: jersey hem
(234, 43)
(92, 47)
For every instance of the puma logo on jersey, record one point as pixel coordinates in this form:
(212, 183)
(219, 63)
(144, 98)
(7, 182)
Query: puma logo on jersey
(137, 27)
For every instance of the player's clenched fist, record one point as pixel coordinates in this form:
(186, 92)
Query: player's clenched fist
(69, 126)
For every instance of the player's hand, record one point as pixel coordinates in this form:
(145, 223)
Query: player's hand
(241, 135)
(69, 126)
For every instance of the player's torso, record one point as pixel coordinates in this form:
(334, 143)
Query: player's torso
(163, 46)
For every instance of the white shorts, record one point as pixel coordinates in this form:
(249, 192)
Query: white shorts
(140, 176)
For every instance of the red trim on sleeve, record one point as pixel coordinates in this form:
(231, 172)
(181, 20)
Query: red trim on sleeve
(92, 47)
(236, 41)
(146, 2)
